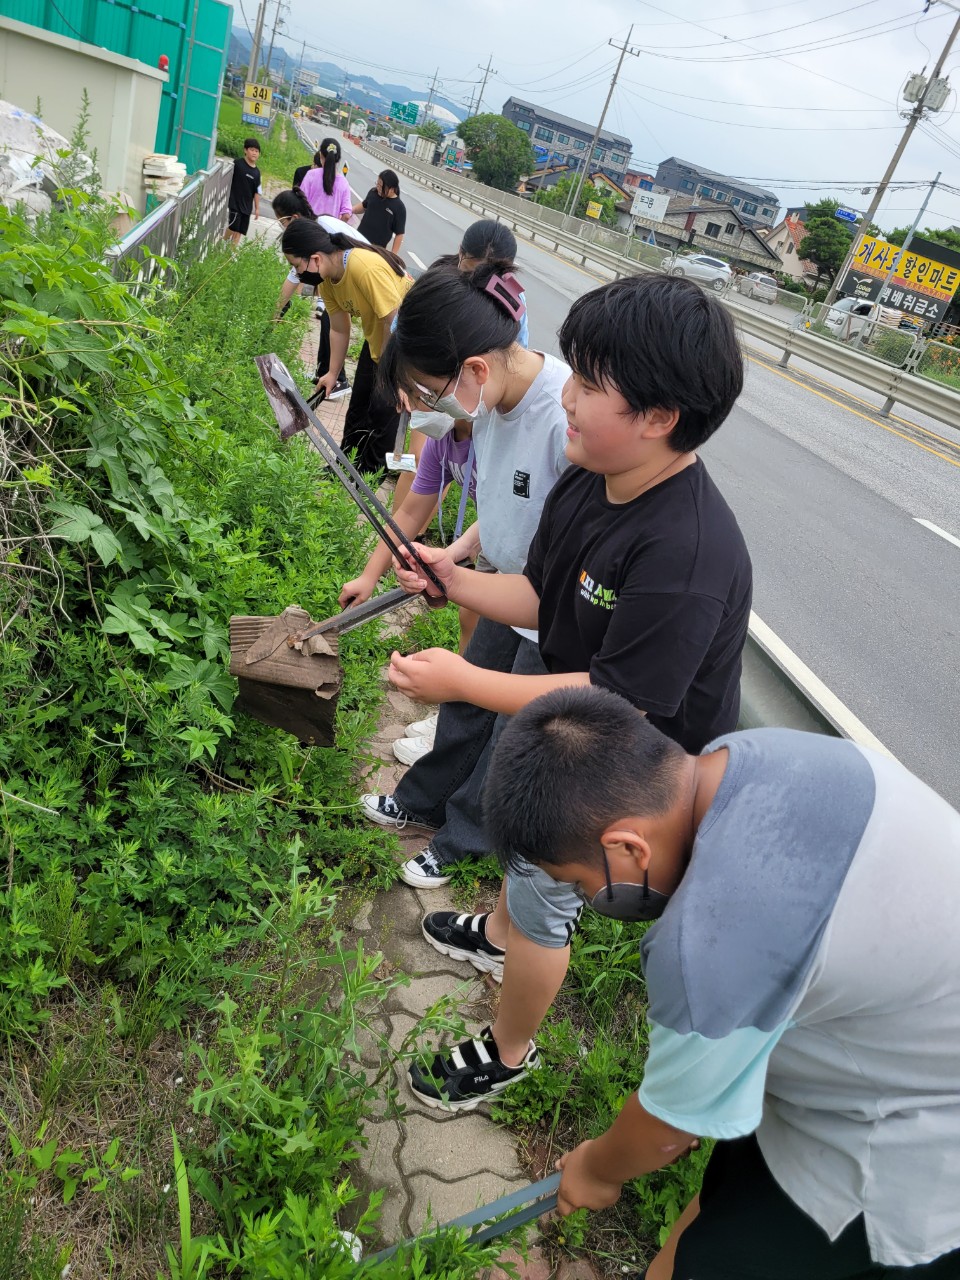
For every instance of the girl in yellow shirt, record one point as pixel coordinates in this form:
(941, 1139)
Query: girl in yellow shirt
(359, 280)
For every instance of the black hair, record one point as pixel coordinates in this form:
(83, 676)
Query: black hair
(329, 157)
(292, 204)
(566, 766)
(490, 241)
(444, 319)
(304, 238)
(250, 142)
(390, 180)
(663, 343)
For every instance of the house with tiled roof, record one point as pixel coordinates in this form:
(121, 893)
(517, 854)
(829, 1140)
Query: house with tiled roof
(785, 239)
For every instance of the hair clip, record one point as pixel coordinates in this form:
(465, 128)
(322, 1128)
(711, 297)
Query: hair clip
(506, 290)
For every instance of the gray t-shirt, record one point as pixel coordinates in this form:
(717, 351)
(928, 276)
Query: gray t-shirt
(804, 983)
(520, 457)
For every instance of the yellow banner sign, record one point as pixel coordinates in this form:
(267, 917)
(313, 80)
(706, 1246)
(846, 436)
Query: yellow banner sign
(594, 209)
(924, 275)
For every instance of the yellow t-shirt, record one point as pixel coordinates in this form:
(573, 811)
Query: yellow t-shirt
(369, 289)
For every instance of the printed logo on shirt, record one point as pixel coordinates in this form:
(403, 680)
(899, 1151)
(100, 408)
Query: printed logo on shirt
(521, 484)
(595, 593)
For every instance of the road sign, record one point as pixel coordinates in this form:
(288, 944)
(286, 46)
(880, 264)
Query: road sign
(649, 204)
(594, 209)
(847, 215)
(257, 104)
(406, 112)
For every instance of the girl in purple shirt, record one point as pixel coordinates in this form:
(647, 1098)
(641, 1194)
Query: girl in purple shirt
(327, 190)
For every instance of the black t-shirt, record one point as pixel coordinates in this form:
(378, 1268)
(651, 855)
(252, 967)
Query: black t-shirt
(245, 185)
(652, 597)
(300, 173)
(383, 218)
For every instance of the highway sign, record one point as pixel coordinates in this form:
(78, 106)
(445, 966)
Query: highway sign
(847, 215)
(406, 112)
(257, 100)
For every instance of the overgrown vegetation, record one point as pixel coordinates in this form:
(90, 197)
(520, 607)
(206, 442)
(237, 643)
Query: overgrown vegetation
(181, 1016)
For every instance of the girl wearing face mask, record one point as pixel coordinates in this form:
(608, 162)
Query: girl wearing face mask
(354, 279)
(455, 350)
(288, 205)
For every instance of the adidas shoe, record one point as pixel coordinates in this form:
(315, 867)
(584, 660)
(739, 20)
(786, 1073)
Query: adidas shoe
(463, 937)
(410, 750)
(471, 1074)
(425, 871)
(385, 811)
(424, 728)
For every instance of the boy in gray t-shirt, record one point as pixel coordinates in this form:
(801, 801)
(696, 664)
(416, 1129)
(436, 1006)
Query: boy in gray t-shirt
(803, 982)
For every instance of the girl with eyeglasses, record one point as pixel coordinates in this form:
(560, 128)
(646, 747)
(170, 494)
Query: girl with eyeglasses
(362, 280)
(455, 351)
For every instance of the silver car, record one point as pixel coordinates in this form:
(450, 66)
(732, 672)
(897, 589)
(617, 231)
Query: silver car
(756, 285)
(702, 268)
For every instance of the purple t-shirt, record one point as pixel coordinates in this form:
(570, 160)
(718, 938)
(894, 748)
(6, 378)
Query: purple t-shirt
(442, 461)
(337, 203)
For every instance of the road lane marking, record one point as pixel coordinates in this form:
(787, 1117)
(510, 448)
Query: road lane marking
(421, 265)
(935, 528)
(954, 462)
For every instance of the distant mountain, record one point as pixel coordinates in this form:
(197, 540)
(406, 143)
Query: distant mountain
(363, 90)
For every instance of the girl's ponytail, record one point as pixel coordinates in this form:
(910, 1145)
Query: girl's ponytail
(330, 151)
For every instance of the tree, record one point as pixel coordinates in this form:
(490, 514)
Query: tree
(430, 129)
(497, 149)
(949, 238)
(827, 240)
(556, 197)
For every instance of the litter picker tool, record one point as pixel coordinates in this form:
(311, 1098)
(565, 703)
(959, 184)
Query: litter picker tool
(520, 1207)
(294, 414)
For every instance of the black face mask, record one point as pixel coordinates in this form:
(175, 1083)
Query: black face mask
(310, 277)
(627, 901)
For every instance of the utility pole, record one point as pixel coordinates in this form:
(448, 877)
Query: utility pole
(273, 35)
(295, 89)
(624, 50)
(257, 42)
(486, 77)
(916, 115)
(433, 90)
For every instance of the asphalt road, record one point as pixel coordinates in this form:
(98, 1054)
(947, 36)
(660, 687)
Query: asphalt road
(830, 499)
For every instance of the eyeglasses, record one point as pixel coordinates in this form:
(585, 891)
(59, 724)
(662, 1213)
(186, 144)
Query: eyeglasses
(430, 398)
(284, 222)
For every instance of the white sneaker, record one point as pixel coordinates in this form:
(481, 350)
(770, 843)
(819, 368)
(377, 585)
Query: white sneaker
(424, 728)
(410, 750)
(425, 871)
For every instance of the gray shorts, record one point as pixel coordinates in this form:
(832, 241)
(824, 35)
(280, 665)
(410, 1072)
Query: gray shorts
(543, 909)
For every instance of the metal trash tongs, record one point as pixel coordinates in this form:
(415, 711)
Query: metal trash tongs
(295, 414)
(521, 1207)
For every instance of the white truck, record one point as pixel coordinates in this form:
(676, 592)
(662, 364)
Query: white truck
(421, 148)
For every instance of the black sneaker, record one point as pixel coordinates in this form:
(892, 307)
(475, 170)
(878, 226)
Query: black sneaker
(425, 871)
(464, 938)
(341, 389)
(385, 811)
(470, 1075)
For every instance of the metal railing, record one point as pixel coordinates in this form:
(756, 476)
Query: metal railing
(890, 362)
(199, 211)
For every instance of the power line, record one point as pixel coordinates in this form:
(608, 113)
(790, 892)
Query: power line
(771, 128)
(759, 106)
(763, 35)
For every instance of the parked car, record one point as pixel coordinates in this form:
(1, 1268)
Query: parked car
(848, 316)
(703, 269)
(755, 285)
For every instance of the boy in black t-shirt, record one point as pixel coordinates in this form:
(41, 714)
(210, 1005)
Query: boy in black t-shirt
(244, 191)
(384, 213)
(638, 580)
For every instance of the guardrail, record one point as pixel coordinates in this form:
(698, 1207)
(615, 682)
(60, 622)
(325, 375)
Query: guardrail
(198, 210)
(573, 239)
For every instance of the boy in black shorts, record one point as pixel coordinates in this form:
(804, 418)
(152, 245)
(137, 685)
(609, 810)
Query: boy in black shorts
(244, 191)
(637, 580)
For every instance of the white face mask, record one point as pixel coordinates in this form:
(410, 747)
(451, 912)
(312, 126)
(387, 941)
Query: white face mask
(434, 424)
(451, 405)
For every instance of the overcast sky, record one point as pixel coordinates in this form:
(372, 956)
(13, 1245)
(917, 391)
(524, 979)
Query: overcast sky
(706, 84)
